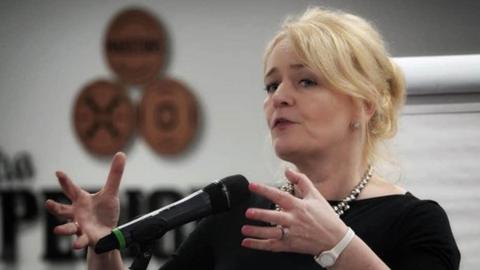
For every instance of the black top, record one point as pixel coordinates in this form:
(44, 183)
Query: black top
(405, 232)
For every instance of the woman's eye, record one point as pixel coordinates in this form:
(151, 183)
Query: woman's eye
(271, 87)
(307, 83)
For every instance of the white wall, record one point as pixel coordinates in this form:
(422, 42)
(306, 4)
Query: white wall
(50, 49)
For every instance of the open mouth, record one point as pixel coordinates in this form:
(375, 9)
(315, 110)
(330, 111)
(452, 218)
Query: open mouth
(281, 122)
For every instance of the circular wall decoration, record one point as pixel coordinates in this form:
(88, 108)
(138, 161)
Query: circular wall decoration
(168, 116)
(135, 46)
(104, 117)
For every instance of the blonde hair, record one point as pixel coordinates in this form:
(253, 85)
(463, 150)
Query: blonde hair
(351, 57)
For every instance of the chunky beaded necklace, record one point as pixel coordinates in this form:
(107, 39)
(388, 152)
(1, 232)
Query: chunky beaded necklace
(341, 207)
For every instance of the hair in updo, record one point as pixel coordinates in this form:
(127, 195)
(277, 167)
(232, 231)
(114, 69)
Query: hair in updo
(350, 56)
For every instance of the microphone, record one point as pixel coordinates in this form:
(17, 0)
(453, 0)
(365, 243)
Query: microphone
(216, 197)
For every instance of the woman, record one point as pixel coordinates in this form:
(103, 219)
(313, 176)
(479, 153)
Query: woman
(332, 95)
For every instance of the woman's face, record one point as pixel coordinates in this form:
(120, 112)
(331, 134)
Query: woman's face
(305, 118)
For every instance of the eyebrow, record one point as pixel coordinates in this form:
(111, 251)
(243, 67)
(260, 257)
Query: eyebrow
(293, 66)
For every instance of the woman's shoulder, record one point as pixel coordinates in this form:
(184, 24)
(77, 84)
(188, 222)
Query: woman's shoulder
(406, 216)
(380, 190)
(405, 210)
(392, 200)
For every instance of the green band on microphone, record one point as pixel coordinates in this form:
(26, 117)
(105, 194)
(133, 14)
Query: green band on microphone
(119, 235)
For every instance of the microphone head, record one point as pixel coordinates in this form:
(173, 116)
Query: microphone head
(227, 193)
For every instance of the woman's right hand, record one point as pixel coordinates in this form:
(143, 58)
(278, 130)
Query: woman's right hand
(90, 216)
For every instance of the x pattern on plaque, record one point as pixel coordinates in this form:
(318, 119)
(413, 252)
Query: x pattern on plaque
(105, 117)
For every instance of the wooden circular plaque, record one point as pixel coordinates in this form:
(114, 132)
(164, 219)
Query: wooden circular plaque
(135, 46)
(168, 116)
(104, 117)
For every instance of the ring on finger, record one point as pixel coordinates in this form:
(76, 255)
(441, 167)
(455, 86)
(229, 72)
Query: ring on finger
(78, 232)
(284, 232)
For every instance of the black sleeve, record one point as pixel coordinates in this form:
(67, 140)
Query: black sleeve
(196, 251)
(426, 239)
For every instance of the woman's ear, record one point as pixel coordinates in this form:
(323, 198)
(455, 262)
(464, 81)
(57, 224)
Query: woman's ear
(369, 108)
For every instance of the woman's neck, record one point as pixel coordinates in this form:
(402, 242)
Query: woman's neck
(334, 177)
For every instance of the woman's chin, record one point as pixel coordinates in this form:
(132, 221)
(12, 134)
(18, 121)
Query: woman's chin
(285, 152)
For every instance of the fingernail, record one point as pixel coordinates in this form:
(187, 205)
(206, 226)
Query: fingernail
(59, 174)
(245, 243)
(245, 229)
(253, 186)
(250, 213)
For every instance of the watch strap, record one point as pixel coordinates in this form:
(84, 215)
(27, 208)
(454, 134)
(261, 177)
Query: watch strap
(335, 252)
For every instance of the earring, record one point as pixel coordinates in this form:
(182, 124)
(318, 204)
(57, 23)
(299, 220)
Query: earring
(356, 125)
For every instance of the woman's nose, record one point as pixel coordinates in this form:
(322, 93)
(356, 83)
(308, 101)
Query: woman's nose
(283, 96)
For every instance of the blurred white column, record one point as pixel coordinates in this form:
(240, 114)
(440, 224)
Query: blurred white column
(433, 75)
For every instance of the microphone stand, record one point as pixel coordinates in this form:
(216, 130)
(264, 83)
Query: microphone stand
(144, 249)
(143, 256)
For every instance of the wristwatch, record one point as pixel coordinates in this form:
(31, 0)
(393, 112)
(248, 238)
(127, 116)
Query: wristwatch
(328, 257)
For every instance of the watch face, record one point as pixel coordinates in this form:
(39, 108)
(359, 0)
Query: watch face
(327, 259)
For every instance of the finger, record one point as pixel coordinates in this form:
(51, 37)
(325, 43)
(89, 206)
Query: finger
(264, 244)
(81, 242)
(301, 181)
(66, 229)
(69, 188)
(262, 232)
(115, 174)
(269, 216)
(59, 209)
(283, 199)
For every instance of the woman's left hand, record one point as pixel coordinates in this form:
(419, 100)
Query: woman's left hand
(306, 224)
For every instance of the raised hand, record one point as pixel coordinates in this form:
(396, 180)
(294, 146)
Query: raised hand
(305, 225)
(91, 216)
